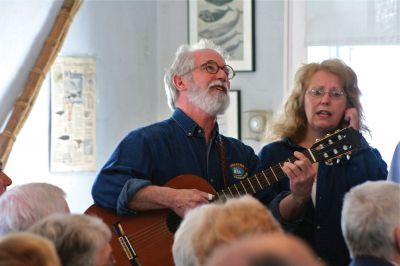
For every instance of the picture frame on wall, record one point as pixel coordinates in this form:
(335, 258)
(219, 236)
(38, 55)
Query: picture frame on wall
(229, 24)
(230, 122)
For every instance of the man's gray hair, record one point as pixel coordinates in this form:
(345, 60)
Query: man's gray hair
(26, 204)
(78, 238)
(184, 63)
(370, 214)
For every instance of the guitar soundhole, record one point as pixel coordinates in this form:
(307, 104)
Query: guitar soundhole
(173, 222)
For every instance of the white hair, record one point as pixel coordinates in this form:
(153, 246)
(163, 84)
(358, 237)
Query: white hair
(25, 204)
(182, 248)
(370, 214)
(184, 63)
(78, 238)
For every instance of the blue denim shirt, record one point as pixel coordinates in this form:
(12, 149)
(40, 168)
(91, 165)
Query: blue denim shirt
(370, 261)
(394, 171)
(157, 153)
(320, 225)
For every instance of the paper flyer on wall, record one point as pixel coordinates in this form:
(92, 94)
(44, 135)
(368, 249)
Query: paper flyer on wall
(73, 115)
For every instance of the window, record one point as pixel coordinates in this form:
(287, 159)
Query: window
(377, 68)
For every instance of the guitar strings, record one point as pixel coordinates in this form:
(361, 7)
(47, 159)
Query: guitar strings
(261, 179)
(277, 168)
(148, 233)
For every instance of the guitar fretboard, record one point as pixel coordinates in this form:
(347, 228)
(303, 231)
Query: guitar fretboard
(325, 150)
(258, 181)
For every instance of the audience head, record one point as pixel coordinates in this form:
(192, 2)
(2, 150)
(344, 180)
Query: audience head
(5, 181)
(185, 62)
(371, 220)
(209, 226)
(21, 249)
(274, 249)
(80, 240)
(292, 121)
(23, 205)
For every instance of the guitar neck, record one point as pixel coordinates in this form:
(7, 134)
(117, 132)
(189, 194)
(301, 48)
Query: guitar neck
(259, 181)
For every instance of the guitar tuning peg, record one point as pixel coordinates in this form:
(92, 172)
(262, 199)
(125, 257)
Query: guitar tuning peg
(329, 162)
(338, 160)
(348, 156)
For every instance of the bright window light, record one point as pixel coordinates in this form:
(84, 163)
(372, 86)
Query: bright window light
(378, 72)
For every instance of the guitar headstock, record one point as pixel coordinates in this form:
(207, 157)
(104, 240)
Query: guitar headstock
(335, 145)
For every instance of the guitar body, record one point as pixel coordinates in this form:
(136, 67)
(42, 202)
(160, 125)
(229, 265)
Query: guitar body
(151, 233)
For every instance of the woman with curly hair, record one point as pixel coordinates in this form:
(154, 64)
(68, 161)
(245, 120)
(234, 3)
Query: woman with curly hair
(325, 98)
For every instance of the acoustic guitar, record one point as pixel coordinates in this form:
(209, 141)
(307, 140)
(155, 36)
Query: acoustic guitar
(146, 238)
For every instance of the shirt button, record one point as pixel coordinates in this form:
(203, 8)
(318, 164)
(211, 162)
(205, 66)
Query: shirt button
(212, 180)
(318, 227)
(199, 131)
(190, 133)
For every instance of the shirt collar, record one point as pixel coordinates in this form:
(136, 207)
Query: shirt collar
(289, 142)
(188, 125)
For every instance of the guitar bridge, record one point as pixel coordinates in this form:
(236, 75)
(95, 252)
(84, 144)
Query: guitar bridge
(126, 244)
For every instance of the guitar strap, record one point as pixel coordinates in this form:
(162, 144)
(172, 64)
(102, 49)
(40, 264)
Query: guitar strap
(223, 161)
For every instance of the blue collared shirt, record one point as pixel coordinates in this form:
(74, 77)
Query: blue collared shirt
(320, 225)
(394, 172)
(157, 153)
(370, 261)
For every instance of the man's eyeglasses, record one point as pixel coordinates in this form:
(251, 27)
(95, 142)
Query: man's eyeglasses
(320, 92)
(212, 67)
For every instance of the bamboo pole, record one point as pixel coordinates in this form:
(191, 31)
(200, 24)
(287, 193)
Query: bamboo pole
(24, 103)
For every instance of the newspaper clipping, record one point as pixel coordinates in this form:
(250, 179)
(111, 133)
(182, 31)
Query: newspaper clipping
(73, 115)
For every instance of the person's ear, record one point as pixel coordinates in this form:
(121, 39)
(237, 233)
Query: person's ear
(397, 237)
(179, 82)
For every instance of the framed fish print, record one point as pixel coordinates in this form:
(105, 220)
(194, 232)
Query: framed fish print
(229, 24)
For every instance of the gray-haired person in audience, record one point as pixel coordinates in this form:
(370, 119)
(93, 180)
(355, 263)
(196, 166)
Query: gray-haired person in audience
(26, 204)
(22, 249)
(80, 240)
(371, 224)
(213, 225)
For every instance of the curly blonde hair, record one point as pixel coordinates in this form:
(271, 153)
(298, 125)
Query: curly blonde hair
(291, 120)
(229, 221)
(20, 249)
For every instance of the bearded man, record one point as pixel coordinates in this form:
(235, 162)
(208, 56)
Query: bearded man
(188, 143)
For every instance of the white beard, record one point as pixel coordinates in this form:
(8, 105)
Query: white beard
(211, 103)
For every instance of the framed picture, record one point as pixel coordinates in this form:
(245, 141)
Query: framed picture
(229, 122)
(229, 24)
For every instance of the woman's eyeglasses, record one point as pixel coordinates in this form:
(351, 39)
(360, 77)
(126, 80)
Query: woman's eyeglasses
(320, 92)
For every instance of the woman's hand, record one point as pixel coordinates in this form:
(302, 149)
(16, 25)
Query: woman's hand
(351, 118)
(301, 177)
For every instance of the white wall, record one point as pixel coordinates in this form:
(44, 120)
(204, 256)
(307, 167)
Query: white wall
(133, 42)
(24, 26)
